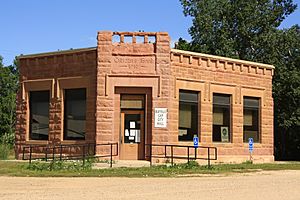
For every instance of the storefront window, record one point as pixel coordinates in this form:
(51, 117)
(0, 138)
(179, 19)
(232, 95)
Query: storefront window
(39, 115)
(188, 115)
(251, 119)
(221, 117)
(74, 114)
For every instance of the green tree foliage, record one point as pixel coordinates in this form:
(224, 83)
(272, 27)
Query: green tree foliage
(8, 89)
(249, 30)
(286, 91)
(234, 28)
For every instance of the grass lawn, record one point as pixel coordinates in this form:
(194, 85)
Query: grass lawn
(75, 169)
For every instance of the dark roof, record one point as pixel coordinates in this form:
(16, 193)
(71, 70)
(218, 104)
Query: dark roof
(70, 51)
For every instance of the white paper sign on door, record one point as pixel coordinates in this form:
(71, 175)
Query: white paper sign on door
(132, 124)
(138, 136)
(126, 132)
(132, 132)
(131, 138)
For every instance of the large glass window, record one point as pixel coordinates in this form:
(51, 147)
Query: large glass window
(74, 114)
(251, 119)
(39, 115)
(221, 117)
(188, 115)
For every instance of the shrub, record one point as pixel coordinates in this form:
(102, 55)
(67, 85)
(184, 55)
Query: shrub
(8, 139)
(56, 165)
(4, 151)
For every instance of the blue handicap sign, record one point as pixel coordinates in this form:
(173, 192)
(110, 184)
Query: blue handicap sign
(251, 144)
(196, 141)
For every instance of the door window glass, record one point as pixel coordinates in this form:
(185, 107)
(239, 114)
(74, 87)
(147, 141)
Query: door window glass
(132, 128)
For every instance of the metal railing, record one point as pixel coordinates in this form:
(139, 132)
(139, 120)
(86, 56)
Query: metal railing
(84, 151)
(168, 152)
(64, 152)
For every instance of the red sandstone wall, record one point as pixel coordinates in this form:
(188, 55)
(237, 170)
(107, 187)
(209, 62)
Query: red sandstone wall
(156, 66)
(153, 69)
(140, 65)
(208, 74)
(51, 71)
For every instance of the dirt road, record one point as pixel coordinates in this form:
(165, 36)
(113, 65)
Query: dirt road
(275, 185)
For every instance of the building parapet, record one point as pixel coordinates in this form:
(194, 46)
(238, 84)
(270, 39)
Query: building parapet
(187, 57)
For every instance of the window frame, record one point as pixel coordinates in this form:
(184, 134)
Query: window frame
(73, 83)
(133, 97)
(65, 136)
(28, 86)
(193, 103)
(259, 124)
(30, 114)
(230, 107)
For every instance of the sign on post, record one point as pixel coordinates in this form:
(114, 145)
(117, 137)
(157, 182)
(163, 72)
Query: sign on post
(160, 117)
(250, 145)
(251, 148)
(196, 141)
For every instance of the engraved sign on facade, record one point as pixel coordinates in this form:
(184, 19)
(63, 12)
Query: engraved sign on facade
(160, 120)
(134, 63)
(134, 60)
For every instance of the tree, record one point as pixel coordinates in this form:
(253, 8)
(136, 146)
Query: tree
(234, 28)
(249, 30)
(8, 89)
(286, 92)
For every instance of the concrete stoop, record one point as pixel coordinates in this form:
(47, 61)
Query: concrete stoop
(122, 163)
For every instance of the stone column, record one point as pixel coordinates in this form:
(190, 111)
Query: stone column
(104, 104)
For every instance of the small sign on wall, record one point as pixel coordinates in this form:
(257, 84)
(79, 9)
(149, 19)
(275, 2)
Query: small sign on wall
(160, 117)
(224, 134)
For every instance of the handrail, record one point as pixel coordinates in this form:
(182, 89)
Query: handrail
(188, 157)
(58, 150)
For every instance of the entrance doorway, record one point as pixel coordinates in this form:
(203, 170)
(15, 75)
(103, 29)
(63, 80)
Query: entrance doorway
(132, 127)
(133, 135)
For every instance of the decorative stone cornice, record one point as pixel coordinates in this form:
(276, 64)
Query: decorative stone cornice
(219, 62)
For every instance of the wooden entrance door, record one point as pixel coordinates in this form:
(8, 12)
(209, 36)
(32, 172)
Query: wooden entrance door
(132, 135)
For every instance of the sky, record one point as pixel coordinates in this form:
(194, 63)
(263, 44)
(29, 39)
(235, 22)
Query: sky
(36, 26)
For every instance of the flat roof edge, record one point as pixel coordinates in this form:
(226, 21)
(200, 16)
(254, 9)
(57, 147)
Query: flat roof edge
(53, 53)
(190, 53)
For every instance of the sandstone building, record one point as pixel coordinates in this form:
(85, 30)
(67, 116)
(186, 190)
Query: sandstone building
(134, 89)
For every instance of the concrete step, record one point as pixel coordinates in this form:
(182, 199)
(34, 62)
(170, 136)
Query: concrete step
(122, 163)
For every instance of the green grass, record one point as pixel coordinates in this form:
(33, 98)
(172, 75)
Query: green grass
(14, 168)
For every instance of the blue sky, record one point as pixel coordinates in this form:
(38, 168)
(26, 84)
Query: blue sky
(35, 26)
